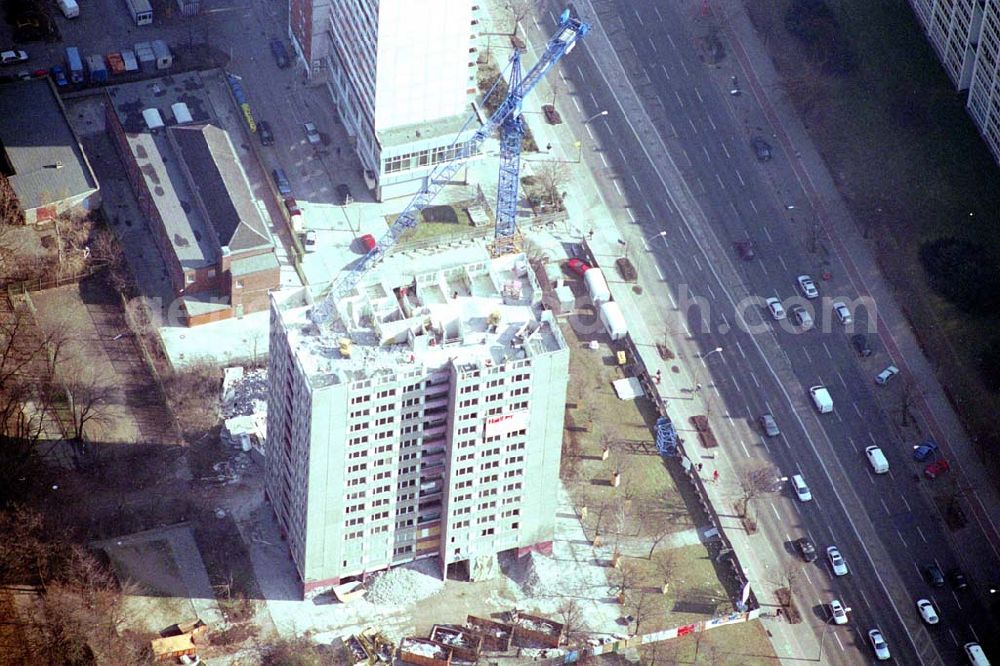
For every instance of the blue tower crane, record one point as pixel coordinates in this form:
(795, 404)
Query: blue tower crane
(507, 118)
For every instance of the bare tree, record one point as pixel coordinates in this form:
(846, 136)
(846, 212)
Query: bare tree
(755, 482)
(790, 576)
(666, 566)
(571, 615)
(519, 10)
(908, 397)
(105, 247)
(640, 607)
(657, 527)
(89, 393)
(624, 578)
(551, 177)
(557, 83)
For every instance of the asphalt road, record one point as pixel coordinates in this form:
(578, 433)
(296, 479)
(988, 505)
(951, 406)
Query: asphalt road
(885, 525)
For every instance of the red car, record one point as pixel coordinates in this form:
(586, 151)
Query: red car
(936, 468)
(577, 266)
(368, 242)
(292, 205)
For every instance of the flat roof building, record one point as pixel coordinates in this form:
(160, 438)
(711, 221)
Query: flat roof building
(402, 76)
(427, 423)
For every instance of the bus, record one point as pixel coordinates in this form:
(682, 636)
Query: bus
(141, 10)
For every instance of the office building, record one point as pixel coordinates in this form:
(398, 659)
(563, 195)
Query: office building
(428, 425)
(402, 76)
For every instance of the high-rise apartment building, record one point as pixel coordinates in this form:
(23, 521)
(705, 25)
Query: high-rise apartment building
(402, 74)
(966, 36)
(428, 424)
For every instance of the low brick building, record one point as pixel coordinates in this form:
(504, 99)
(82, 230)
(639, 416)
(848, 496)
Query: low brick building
(216, 246)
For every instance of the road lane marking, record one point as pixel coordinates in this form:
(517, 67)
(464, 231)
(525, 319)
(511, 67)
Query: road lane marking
(711, 122)
(971, 628)
(652, 44)
(604, 160)
(864, 598)
(580, 72)
(719, 178)
(665, 72)
(953, 639)
(636, 181)
(763, 266)
(740, 348)
(693, 128)
(728, 156)
(711, 293)
(578, 109)
(639, 18)
(678, 96)
(725, 319)
(671, 40)
(659, 272)
(697, 94)
(744, 447)
(855, 406)
(921, 533)
(737, 385)
(768, 234)
(618, 188)
(607, 126)
(885, 506)
(631, 215)
(658, 16)
(841, 378)
(679, 271)
(738, 174)
(590, 132)
(839, 417)
(900, 534)
(776, 514)
(839, 644)
(754, 378)
(670, 294)
(687, 157)
(673, 130)
(732, 207)
(903, 497)
(827, 349)
(808, 357)
(684, 67)
(752, 205)
(871, 436)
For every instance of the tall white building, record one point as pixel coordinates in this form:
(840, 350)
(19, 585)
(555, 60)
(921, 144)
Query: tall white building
(429, 425)
(966, 36)
(402, 74)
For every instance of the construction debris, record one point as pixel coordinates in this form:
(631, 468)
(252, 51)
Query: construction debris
(534, 629)
(464, 645)
(424, 652)
(179, 640)
(349, 592)
(496, 635)
(243, 392)
(370, 647)
(401, 586)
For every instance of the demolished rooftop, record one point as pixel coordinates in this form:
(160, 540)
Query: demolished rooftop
(476, 314)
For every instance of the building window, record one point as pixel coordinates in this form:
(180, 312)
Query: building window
(488, 531)
(188, 278)
(239, 284)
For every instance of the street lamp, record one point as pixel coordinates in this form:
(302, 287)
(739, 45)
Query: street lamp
(697, 372)
(662, 234)
(596, 115)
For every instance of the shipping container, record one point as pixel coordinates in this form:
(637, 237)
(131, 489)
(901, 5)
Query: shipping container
(96, 68)
(141, 11)
(597, 286)
(75, 64)
(128, 59)
(116, 64)
(144, 52)
(164, 58)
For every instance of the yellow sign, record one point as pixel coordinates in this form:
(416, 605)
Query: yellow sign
(249, 117)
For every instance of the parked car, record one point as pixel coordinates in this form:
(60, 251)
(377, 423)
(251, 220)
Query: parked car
(801, 488)
(368, 242)
(12, 57)
(281, 181)
(761, 148)
(265, 133)
(924, 450)
(927, 612)
(838, 612)
(775, 308)
(807, 287)
(801, 317)
(310, 240)
(292, 206)
(769, 425)
(344, 197)
(879, 645)
(744, 249)
(577, 266)
(59, 76)
(837, 562)
(883, 377)
(280, 53)
(860, 343)
(843, 314)
(806, 549)
(312, 134)
(933, 575)
(957, 579)
(937, 468)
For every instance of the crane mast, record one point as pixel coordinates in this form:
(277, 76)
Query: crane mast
(507, 119)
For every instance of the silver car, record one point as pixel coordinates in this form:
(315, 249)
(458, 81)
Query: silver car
(927, 611)
(808, 287)
(843, 314)
(769, 425)
(879, 645)
(801, 317)
(774, 307)
(837, 562)
(312, 134)
(838, 612)
(887, 374)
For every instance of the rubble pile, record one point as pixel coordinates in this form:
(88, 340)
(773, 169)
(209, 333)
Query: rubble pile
(244, 394)
(403, 585)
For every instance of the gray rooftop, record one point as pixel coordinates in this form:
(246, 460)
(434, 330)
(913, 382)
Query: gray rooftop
(254, 264)
(218, 180)
(423, 132)
(38, 151)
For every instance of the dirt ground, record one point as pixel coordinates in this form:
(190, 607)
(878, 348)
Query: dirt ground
(101, 347)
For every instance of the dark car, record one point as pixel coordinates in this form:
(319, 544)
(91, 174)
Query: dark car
(344, 197)
(293, 206)
(937, 468)
(806, 549)
(761, 148)
(281, 181)
(933, 575)
(957, 579)
(924, 450)
(860, 343)
(744, 248)
(265, 133)
(59, 76)
(280, 53)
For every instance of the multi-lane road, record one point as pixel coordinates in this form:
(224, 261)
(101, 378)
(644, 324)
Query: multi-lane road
(673, 161)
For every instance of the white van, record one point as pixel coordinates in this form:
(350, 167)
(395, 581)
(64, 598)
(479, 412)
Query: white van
(877, 459)
(70, 8)
(974, 651)
(821, 398)
(801, 489)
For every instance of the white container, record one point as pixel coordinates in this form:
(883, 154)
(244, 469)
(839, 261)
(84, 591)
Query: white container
(613, 319)
(70, 8)
(128, 59)
(182, 114)
(154, 120)
(597, 286)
